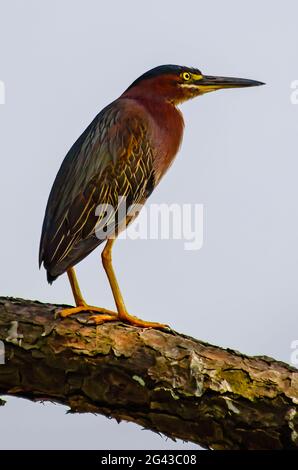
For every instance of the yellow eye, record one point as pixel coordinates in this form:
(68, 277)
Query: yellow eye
(186, 76)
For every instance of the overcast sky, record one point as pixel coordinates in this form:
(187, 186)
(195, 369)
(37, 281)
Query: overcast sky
(61, 63)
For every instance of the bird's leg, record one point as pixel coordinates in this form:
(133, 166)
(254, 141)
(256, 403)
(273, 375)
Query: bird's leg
(79, 299)
(81, 305)
(123, 315)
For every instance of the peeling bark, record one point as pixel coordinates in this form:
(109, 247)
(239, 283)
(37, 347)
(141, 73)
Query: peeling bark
(163, 381)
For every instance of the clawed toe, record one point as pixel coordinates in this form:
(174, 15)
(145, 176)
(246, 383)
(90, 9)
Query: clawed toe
(103, 315)
(131, 320)
(99, 319)
(66, 312)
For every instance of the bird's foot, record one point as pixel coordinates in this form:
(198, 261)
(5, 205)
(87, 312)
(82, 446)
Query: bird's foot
(106, 315)
(99, 319)
(134, 321)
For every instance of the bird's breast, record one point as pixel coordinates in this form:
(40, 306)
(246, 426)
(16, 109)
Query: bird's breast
(165, 131)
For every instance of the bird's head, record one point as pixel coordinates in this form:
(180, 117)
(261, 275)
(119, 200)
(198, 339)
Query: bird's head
(176, 84)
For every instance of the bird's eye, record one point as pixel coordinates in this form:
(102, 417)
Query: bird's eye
(186, 76)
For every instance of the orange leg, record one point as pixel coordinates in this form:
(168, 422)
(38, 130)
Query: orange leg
(123, 315)
(82, 306)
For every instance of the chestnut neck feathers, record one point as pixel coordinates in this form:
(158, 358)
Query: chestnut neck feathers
(158, 104)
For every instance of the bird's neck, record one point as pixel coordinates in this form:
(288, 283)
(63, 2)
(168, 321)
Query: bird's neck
(170, 125)
(167, 127)
(162, 110)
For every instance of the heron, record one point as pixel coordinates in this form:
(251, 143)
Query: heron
(121, 156)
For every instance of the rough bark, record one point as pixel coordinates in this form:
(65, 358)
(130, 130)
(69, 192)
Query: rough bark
(163, 381)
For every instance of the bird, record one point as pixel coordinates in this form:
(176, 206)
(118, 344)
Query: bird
(122, 155)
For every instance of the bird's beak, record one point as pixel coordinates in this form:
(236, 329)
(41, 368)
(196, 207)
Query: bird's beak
(209, 83)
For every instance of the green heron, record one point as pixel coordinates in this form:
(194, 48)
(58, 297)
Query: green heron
(123, 153)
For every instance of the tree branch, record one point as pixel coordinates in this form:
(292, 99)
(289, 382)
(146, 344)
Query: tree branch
(163, 381)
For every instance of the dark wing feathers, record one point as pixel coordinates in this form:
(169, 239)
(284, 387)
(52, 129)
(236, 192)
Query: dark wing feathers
(112, 158)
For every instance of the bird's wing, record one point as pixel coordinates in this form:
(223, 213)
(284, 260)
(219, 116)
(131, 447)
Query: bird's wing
(111, 159)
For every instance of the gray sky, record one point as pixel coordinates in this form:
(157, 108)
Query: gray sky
(61, 62)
